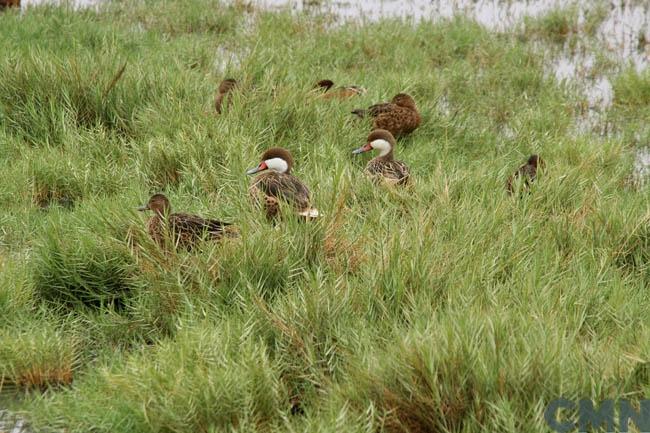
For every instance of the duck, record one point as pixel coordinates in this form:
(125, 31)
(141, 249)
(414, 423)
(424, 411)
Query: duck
(183, 229)
(384, 167)
(400, 116)
(225, 88)
(341, 92)
(528, 172)
(276, 183)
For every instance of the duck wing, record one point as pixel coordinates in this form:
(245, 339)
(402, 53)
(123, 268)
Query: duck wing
(398, 120)
(374, 110)
(384, 107)
(283, 186)
(392, 171)
(195, 225)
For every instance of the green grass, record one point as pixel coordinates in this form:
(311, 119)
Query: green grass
(450, 306)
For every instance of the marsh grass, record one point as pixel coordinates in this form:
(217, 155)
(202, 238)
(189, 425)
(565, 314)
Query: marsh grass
(559, 25)
(37, 358)
(447, 306)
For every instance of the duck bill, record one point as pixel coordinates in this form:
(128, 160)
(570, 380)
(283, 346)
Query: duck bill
(362, 149)
(257, 169)
(143, 208)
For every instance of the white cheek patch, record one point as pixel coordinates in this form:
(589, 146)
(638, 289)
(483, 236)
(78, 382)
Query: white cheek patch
(277, 164)
(382, 145)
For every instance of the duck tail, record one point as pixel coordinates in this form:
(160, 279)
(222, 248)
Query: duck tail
(310, 213)
(221, 227)
(360, 112)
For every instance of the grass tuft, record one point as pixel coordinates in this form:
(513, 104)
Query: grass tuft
(82, 269)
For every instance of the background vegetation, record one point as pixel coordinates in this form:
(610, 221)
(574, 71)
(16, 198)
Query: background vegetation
(450, 306)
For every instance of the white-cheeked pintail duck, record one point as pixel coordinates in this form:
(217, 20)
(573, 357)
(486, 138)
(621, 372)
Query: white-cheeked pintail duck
(384, 167)
(276, 183)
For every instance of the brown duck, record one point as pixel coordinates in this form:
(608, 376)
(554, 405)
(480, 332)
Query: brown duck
(384, 167)
(183, 229)
(341, 92)
(528, 172)
(277, 183)
(400, 116)
(225, 88)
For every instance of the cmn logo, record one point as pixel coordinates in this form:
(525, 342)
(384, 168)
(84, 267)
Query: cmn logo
(590, 418)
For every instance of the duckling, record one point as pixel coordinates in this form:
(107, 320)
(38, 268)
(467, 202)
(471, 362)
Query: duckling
(384, 166)
(277, 183)
(185, 230)
(225, 88)
(400, 116)
(527, 171)
(341, 92)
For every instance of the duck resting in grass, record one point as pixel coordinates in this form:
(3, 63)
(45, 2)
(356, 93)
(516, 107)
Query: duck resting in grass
(183, 229)
(384, 167)
(275, 183)
(400, 116)
(527, 172)
(223, 94)
(341, 92)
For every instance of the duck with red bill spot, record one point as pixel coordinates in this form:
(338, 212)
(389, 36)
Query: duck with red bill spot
(275, 183)
(384, 167)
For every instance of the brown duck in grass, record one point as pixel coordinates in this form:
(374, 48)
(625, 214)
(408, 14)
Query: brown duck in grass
(223, 99)
(341, 92)
(276, 183)
(400, 116)
(384, 167)
(527, 172)
(183, 229)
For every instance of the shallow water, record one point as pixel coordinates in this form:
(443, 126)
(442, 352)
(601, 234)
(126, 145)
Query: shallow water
(625, 29)
(10, 423)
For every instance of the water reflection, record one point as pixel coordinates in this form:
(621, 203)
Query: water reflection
(10, 423)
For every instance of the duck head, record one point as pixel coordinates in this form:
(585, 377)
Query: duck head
(227, 85)
(404, 100)
(379, 139)
(324, 85)
(275, 159)
(157, 203)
